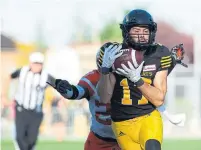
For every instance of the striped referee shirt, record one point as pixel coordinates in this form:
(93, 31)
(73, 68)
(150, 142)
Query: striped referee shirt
(31, 88)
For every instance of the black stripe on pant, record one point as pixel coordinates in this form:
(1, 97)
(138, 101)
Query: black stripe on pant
(27, 124)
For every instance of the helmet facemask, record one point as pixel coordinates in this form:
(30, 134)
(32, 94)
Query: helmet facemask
(138, 41)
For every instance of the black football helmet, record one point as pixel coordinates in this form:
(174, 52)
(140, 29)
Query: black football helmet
(100, 53)
(99, 59)
(139, 18)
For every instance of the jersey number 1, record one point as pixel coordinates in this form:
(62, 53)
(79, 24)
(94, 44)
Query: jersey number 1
(126, 100)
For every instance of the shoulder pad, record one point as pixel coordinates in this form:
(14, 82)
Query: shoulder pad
(162, 51)
(89, 81)
(93, 76)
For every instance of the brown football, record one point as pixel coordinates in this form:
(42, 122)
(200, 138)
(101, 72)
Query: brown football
(129, 54)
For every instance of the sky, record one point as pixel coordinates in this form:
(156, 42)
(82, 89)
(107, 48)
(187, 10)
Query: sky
(19, 18)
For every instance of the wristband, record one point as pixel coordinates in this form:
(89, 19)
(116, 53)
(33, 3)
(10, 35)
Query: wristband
(139, 82)
(105, 70)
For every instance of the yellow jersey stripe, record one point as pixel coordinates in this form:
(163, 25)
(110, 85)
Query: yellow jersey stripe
(166, 63)
(166, 66)
(166, 57)
(164, 60)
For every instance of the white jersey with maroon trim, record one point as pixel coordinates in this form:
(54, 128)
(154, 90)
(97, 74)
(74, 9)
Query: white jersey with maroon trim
(100, 120)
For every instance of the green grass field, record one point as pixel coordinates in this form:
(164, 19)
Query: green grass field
(52, 145)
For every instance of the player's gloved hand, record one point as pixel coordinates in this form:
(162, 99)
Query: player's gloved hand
(111, 53)
(177, 53)
(63, 86)
(131, 73)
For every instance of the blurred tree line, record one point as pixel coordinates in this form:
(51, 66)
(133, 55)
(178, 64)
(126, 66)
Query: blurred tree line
(111, 32)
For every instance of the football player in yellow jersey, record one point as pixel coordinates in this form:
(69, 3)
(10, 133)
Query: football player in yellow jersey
(135, 94)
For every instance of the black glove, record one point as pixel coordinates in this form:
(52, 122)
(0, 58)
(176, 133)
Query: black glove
(177, 53)
(62, 86)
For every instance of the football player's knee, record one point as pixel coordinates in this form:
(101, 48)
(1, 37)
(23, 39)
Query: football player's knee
(152, 144)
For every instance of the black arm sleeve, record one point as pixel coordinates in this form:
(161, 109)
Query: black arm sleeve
(15, 74)
(78, 94)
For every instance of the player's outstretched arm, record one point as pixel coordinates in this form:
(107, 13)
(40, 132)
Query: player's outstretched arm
(156, 94)
(70, 91)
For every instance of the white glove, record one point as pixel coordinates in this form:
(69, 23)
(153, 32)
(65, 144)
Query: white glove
(131, 73)
(111, 53)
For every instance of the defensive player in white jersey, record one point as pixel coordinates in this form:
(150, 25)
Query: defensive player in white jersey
(101, 136)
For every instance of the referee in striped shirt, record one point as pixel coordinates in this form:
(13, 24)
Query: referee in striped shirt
(29, 99)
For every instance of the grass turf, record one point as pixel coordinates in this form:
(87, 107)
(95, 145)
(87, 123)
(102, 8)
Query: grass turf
(68, 145)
